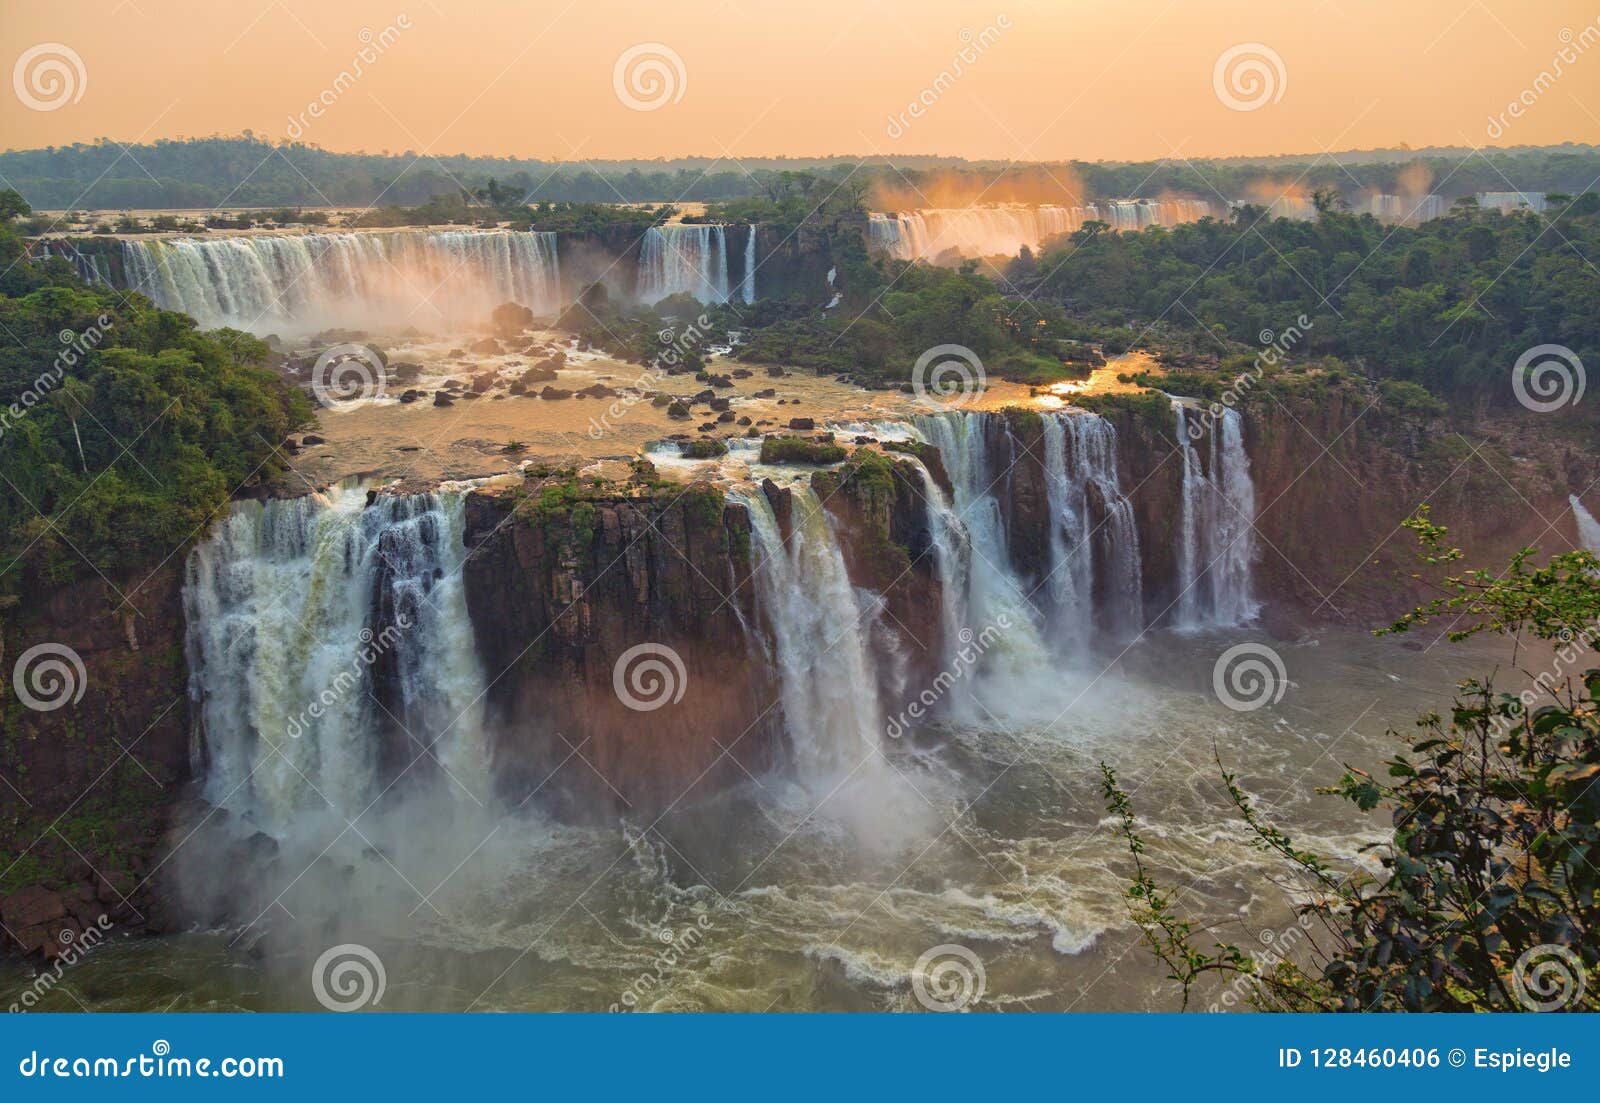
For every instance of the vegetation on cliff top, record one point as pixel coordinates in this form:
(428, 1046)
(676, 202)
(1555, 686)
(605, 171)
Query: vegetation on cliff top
(122, 427)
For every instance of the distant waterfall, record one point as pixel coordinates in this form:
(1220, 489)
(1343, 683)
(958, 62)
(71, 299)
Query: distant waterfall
(826, 678)
(684, 259)
(747, 285)
(296, 610)
(1217, 541)
(1588, 527)
(1002, 231)
(303, 282)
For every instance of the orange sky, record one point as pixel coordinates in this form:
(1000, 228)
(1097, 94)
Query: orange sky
(1092, 79)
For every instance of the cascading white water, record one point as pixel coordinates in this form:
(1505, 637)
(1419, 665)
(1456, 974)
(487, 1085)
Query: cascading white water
(747, 284)
(303, 282)
(1588, 527)
(820, 631)
(1001, 231)
(1217, 541)
(291, 606)
(1080, 459)
(684, 259)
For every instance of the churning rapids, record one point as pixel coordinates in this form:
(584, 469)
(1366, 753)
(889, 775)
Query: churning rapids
(819, 885)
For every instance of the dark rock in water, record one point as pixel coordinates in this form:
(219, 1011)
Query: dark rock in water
(768, 393)
(405, 372)
(718, 380)
(775, 372)
(744, 421)
(725, 417)
(483, 381)
(471, 395)
(544, 371)
(709, 427)
(442, 399)
(704, 396)
(486, 347)
(719, 404)
(741, 373)
(678, 411)
(598, 390)
(907, 388)
(311, 440)
(866, 440)
(409, 397)
(291, 446)
(554, 393)
(410, 448)
(802, 423)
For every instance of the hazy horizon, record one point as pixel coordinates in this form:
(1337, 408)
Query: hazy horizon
(1024, 81)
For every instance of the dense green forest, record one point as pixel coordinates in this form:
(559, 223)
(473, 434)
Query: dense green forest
(122, 427)
(250, 172)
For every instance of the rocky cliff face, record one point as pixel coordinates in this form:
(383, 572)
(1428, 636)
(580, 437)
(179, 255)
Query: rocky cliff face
(92, 760)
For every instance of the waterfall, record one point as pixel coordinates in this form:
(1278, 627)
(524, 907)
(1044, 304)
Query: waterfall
(304, 282)
(1094, 580)
(1217, 541)
(1588, 527)
(684, 259)
(748, 283)
(991, 231)
(296, 611)
(827, 684)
